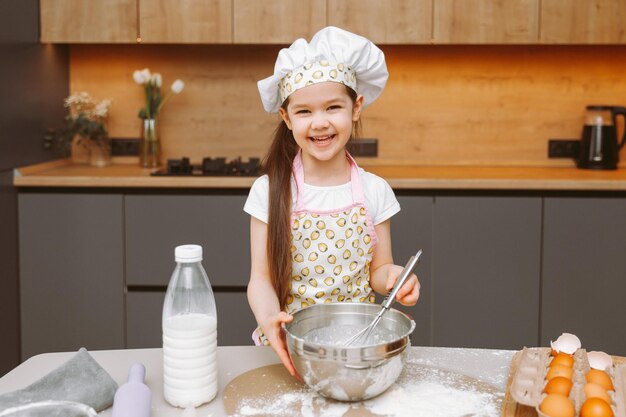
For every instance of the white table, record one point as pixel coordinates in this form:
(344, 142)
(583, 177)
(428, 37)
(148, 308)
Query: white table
(490, 366)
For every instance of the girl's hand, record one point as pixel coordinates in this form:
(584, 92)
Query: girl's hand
(273, 330)
(409, 292)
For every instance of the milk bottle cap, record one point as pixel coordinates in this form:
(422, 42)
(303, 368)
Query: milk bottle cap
(188, 253)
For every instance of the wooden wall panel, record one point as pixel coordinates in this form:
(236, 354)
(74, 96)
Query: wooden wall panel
(218, 113)
(583, 21)
(451, 105)
(490, 105)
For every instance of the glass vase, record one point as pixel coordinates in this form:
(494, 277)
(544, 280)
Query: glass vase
(149, 144)
(100, 152)
(79, 149)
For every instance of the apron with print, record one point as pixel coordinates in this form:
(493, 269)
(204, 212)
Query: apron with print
(331, 250)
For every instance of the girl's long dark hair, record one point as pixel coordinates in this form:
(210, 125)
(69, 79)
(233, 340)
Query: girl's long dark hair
(278, 164)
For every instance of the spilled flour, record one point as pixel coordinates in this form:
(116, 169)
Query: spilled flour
(436, 394)
(420, 391)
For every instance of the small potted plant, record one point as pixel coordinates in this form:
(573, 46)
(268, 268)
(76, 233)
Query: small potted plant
(84, 130)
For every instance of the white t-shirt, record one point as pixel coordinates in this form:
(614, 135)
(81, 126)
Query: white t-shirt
(380, 200)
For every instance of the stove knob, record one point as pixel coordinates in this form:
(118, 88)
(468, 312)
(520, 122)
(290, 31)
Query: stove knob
(185, 166)
(173, 166)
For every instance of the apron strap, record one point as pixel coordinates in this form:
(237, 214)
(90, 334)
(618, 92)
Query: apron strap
(358, 196)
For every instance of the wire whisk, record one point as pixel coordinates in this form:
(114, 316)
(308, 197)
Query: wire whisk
(364, 334)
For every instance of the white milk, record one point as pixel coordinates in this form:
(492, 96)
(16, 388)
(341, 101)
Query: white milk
(189, 359)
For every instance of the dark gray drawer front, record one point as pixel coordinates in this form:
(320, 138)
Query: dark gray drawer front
(155, 225)
(584, 272)
(71, 272)
(487, 254)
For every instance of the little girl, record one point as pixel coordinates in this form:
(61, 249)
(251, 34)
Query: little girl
(320, 225)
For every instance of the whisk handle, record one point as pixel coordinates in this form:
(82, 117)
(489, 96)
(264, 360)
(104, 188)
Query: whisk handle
(404, 275)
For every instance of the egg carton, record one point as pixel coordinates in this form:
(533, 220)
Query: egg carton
(529, 380)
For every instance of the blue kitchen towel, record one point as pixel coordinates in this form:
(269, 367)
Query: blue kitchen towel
(79, 381)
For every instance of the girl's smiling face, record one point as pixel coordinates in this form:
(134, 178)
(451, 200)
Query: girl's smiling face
(321, 117)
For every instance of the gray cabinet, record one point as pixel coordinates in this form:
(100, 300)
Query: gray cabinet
(71, 272)
(486, 264)
(584, 271)
(498, 270)
(411, 229)
(156, 224)
(235, 321)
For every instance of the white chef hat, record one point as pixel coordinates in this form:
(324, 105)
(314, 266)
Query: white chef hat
(332, 55)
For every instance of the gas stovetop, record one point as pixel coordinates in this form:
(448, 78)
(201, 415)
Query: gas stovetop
(215, 167)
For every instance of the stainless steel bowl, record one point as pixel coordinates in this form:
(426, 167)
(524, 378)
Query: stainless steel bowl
(352, 373)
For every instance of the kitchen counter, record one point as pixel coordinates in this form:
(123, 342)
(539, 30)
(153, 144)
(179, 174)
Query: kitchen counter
(486, 365)
(63, 173)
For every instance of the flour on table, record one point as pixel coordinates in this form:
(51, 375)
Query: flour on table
(420, 391)
(488, 365)
(307, 402)
(435, 393)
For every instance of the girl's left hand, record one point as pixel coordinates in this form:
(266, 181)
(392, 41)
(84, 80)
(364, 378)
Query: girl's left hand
(409, 292)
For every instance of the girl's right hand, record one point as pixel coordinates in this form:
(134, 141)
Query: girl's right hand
(273, 330)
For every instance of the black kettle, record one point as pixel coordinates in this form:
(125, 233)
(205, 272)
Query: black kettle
(599, 147)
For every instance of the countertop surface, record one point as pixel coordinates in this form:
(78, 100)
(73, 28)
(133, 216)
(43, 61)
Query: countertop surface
(486, 365)
(62, 173)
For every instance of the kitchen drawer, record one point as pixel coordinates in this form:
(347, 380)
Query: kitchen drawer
(156, 224)
(584, 271)
(486, 268)
(71, 272)
(235, 321)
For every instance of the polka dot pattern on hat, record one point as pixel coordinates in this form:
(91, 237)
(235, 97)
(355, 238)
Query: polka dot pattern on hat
(363, 63)
(316, 72)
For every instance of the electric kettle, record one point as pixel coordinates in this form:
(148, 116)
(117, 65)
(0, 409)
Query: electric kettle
(599, 147)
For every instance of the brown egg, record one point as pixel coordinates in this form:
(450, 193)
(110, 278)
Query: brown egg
(559, 370)
(595, 407)
(596, 391)
(558, 385)
(595, 376)
(562, 359)
(557, 405)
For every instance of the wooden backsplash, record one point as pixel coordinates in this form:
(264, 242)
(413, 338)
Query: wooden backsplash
(443, 105)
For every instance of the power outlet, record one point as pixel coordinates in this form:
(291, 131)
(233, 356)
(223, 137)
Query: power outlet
(563, 148)
(363, 147)
(124, 146)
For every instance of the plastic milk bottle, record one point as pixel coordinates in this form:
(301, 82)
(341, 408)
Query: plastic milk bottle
(189, 333)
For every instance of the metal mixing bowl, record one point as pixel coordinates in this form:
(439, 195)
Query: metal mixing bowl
(351, 373)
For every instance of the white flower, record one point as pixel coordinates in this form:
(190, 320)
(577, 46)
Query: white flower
(177, 86)
(138, 77)
(151, 83)
(102, 109)
(78, 99)
(157, 79)
(83, 103)
(145, 75)
(142, 76)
